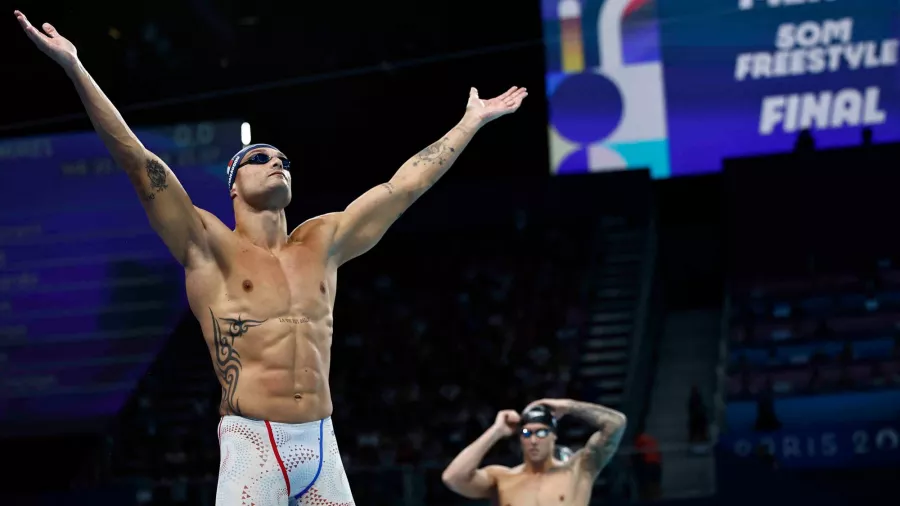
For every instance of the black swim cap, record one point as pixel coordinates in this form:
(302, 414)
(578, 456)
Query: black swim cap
(539, 414)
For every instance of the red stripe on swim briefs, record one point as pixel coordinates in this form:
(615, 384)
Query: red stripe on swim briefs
(287, 482)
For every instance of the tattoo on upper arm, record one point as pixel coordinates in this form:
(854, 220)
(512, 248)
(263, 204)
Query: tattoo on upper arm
(601, 448)
(603, 444)
(605, 447)
(156, 173)
(389, 187)
(228, 360)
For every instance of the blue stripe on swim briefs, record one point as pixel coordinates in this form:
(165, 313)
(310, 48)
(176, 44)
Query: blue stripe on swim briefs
(321, 458)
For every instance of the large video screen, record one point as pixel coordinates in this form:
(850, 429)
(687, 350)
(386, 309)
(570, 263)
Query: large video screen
(679, 85)
(88, 292)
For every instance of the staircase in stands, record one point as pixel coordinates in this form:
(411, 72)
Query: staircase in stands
(613, 292)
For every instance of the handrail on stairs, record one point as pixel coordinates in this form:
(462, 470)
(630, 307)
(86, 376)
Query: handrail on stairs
(719, 419)
(639, 355)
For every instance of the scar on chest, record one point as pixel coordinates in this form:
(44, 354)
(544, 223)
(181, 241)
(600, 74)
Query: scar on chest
(247, 285)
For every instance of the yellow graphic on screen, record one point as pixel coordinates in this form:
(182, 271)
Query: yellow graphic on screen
(569, 12)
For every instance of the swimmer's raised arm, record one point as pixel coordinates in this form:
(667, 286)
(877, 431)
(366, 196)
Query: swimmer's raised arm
(603, 443)
(366, 220)
(167, 205)
(463, 475)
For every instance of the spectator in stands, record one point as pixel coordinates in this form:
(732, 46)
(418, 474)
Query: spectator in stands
(766, 419)
(647, 462)
(896, 350)
(698, 423)
(764, 453)
(846, 360)
(805, 143)
(867, 137)
(823, 331)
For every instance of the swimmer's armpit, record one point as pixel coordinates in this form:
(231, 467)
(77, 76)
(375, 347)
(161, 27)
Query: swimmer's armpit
(228, 360)
(603, 444)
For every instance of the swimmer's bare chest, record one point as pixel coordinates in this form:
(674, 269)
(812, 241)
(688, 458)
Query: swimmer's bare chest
(267, 321)
(561, 487)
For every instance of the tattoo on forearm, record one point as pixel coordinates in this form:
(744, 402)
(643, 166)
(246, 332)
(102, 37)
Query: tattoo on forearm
(438, 152)
(228, 360)
(603, 446)
(611, 424)
(389, 187)
(464, 130)
(156, 173)
(591, 413)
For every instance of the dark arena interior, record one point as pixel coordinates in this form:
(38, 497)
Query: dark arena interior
(683, 228)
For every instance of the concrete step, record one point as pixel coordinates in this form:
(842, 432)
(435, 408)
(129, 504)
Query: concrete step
(616, 293)
(611, 400)
(612, 317)
(603, 370)
(616, 280)
(610, 384)
(607, 343)
(606, 356)
(624, 258)
(616, 330)
(686, 475)
(612, 306)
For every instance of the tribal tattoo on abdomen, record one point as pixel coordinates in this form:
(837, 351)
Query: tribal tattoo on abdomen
(228, 360)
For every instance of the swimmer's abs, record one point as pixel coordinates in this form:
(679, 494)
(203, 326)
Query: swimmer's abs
(271, 370)
(279, 394)
(297, 408)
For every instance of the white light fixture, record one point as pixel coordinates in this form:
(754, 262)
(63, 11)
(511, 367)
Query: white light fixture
(245, 133)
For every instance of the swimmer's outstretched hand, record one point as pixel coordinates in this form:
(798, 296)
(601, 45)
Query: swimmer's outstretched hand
(484, 111)
(50, 42)
(506, 422)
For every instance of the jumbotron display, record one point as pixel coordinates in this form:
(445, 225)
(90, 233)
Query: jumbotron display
(677, 86)
(88, 292)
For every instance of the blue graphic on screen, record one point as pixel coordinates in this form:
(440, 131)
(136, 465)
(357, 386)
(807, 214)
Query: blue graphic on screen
(678, 86)
(640, 32)
(88, 292)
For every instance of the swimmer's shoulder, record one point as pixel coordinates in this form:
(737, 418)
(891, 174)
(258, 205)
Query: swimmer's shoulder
(317, 229)
(503, 471)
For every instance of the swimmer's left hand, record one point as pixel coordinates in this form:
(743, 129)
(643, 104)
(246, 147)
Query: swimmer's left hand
(560, 407)
(484, 111)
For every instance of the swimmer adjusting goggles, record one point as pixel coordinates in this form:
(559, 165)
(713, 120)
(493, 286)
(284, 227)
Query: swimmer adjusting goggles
(258, 158)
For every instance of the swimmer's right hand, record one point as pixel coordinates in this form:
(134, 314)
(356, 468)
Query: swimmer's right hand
(50, 42)
(506, 422)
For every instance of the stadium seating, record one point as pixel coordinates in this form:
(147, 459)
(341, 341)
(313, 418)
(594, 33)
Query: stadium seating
(816, 334)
